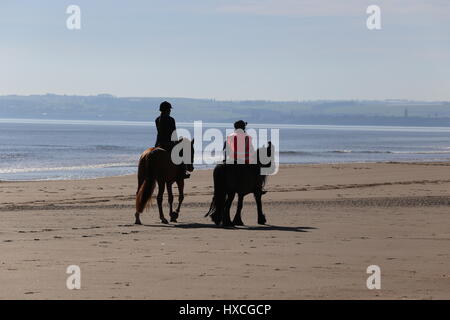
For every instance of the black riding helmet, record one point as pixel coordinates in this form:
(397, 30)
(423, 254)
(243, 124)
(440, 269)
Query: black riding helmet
(241, 124)
(165, 106)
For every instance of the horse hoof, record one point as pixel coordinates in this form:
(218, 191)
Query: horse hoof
(173, 216)
(215, 219)
(164, 221)
(137, 219)
(238, 223)
(262, 219)
(228, 224)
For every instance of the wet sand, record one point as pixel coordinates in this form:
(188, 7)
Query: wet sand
(326, 225)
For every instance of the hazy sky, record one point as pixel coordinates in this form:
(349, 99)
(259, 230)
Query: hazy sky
(230, 49)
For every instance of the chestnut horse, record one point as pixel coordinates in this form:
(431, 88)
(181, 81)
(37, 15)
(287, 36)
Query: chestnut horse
(156, 167)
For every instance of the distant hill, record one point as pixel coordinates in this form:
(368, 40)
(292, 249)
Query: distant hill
(108, 107)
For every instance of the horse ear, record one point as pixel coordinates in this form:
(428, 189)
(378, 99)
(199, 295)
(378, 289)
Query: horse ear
(192, 142)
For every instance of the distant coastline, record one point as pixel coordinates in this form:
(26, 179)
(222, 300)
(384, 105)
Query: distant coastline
(320, 112)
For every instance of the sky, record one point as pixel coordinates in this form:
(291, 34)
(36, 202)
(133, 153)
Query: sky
(227, 49)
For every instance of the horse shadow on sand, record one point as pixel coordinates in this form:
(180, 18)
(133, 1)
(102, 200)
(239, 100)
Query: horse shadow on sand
(267, 227)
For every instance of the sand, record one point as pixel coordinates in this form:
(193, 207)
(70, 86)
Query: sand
(326, 225)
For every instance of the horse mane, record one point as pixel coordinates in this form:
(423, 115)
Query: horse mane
(147, 152)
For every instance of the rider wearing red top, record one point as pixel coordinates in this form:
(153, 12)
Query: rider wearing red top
(239, 147)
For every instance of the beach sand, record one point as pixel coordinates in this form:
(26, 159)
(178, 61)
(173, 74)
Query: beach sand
(326, 225)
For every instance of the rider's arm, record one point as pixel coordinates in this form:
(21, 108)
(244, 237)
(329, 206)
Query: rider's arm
(173, 128)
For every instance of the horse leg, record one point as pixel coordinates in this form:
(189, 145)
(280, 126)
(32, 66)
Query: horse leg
(137, 218)
(226, 214)
(170, 197)
(237, 221)
(261, 217)
(159, 198)
(180, 184)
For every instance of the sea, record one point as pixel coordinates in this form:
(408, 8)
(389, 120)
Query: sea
(34, 149)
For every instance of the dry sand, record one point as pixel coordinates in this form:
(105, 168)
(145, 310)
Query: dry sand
(326, 225)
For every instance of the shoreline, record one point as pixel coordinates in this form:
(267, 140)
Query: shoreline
(410, 162)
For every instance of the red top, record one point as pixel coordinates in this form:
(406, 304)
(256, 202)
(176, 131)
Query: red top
(240, 145)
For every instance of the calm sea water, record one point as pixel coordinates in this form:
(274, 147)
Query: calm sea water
(41, 150)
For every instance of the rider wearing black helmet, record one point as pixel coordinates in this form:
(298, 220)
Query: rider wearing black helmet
(239, 146)
(166, 127)
(240, 124)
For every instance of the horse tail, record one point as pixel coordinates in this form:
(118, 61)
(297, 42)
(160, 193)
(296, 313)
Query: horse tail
(146, 180)
(144, 195)
(218, 201)
(141, 173)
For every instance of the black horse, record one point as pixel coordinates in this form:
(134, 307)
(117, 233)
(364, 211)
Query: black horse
(240, 179)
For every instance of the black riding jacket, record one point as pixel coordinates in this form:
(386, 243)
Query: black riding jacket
(165, 125)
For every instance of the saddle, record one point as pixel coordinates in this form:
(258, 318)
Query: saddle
(183, 174)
